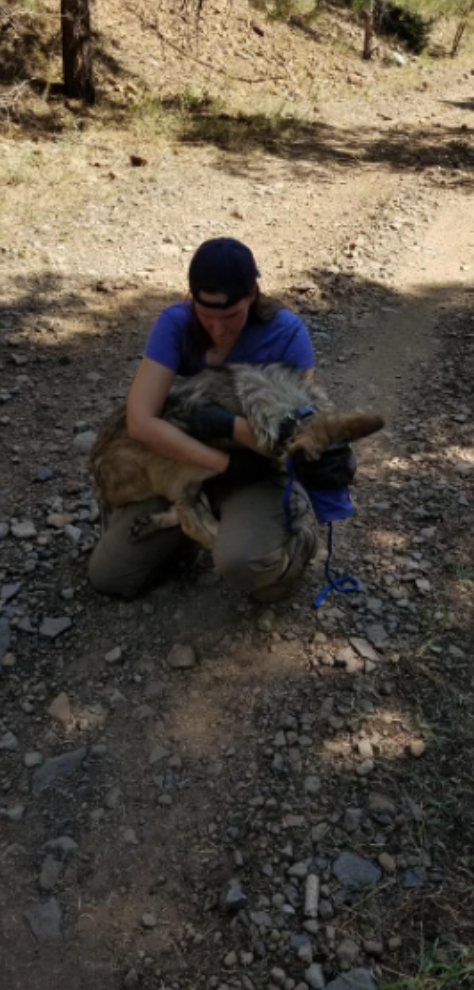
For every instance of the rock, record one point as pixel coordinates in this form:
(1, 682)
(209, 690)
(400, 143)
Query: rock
(131, 980)
(58, 767)
(314, 976)
(45, 920)
(377, 634)
(318, 832)
(233, 897)
(84, 442)
(33, 759)
(9, 742)
(365, 749)
(43, 474)
(373, 948)
(129, 836)
(149, 920)
(278, 976)
(9, 591)
(298, 870)
(181, 657)
(365, 768)
(50, 873)
(356, 979)
(4, 637)
(311, 896)
(364, 648)
(53, 627)
(25, 530)
(379, 804)
(417, 747)
(63, 844)
(354, 871)
(113, 656)
(346, 657)
(387, 862)
(312, 785)
(60, 709)
(14, 814)
(4, 530)
(347, 953)
(112, 798)
(158, 754)
(230, 960)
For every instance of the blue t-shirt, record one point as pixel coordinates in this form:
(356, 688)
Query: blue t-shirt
(284, 337)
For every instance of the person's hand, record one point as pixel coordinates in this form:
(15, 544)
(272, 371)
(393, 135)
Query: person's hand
(211, 422)
(245, 467)
(335, 468)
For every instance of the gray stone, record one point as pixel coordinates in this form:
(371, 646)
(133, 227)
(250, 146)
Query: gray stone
(149, 920)
(14, 814)
(25, 530)
(58, 767)
(354, 871)
(33, 759)
(181, 657)
(4, 530)
(312, 785)
(233, 897)
(158, 754)
(356, 979)
(129, 836)
(84, 442)
(9, 742)
(364, 648)
(9, 591)
(314, 976)
(4, 636)
(113, 656)
(44, 920)
(63, 844)
(53, 627)
(43, 474)
(50, 873)
(347, 953)
(112, 798)
(131, 980)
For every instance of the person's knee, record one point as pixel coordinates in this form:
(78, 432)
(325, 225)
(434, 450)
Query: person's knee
(247, 572)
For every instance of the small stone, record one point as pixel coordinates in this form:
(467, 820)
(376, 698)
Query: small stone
(298, 870)
(112, 798)
(354, 871)
(278, 976)
(84, 442)
(45, 920)
(158, 754)
(347, 953)
(50, 873)
(58, 767)
(131, 980)
(43, 474)
(14, 814)
(387, 862)
(230, 960)
(129, 836)
(4, 530)
(365, 768)
(305, 953)
(54, 627)
(60, 709)
(9, 591)
(113, 656)
(149, 920)
(417, 747)
(318, 832)
(25, 530)
(181, 657)
(356, 979)
(63, 844)
(365, 749)
(9, 742)
(233, 897)
(364, 648)
(379, 804)
(314, 976)
(33, 759)
(373, 948)
(312, 785)
(394, 943)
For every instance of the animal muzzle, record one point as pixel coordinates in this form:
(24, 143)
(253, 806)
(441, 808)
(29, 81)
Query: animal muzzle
(315, 435)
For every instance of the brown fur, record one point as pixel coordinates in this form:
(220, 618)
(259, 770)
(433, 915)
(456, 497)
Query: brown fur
(128, 471)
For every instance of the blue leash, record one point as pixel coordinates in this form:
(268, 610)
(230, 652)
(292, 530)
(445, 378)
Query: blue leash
(345, 584)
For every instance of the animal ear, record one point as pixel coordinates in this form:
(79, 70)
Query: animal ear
(311, 446)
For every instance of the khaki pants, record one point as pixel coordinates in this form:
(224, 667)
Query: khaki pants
(254, 551)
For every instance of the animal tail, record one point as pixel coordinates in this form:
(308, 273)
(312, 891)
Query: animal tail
(319, 433)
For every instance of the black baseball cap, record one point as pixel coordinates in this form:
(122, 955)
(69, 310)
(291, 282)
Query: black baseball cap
(222, 265)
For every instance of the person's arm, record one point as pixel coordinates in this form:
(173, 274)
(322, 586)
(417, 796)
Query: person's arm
(145, 405)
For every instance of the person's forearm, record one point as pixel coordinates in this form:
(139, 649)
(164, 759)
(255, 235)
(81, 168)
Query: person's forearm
(243, 433)
(172, 442)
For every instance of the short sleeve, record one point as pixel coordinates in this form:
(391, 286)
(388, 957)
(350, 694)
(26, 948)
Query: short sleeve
(165, 342)
(298, 350)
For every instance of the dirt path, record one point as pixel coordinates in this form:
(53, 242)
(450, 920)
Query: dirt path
(297, 741)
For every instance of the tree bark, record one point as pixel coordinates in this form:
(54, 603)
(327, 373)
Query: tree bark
(460, 31)
(368, 33)
(77, 50)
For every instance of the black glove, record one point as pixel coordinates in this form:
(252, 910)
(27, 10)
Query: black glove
(245, 467)
(336, 468)
(211, 422)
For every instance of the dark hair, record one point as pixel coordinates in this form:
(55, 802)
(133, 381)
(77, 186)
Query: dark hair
(198, 341)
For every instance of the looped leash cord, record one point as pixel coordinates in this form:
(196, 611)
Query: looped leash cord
(345, 584)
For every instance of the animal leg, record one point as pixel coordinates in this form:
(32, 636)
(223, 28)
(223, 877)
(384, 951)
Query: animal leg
(153, 522)
(198, 522)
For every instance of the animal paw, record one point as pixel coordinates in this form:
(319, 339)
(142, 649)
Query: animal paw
(142, 527)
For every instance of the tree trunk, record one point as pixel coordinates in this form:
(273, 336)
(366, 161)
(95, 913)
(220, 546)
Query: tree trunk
(368, 33)
(460, 31)
(77, 50)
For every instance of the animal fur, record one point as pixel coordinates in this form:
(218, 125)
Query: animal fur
(127, 470)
